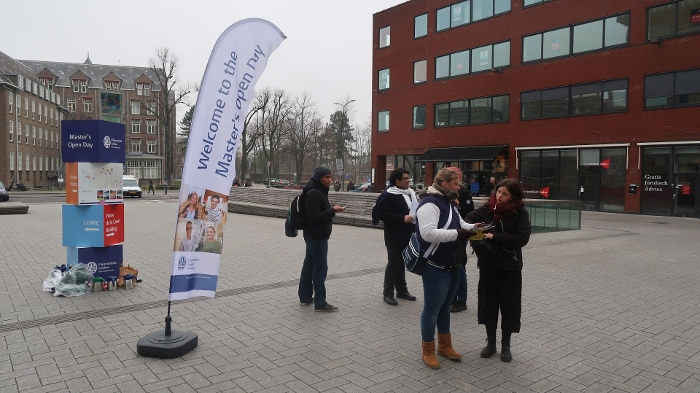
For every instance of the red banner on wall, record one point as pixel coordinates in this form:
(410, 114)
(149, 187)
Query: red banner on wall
(545, 192)
(605, 164)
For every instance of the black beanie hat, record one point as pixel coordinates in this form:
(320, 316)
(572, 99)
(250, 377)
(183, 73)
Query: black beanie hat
(320, 172)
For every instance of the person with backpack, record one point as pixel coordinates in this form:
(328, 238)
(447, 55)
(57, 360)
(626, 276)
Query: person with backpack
(394, 208)
(317, 230)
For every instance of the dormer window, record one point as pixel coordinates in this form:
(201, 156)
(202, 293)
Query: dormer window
(48, 82)
(143, 89)
(111, 85)
(79, 85)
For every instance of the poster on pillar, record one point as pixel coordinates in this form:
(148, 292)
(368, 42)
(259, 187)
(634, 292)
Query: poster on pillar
(237, 61)
(92, 183)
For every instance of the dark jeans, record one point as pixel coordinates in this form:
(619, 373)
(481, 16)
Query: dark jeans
(461, 295)
(313, 273)
(439, 289)
(395, 274)
(500, 289)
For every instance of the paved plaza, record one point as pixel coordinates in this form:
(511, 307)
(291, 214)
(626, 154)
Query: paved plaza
(614, 307)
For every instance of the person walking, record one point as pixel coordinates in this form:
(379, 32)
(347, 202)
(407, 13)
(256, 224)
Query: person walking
(351, 185)
(465, 205)
(319, 224)
(394, 208)
(488, 188)
(500, 275)
(150, 187)
(438, 221)
(336, 186)
(474, 188)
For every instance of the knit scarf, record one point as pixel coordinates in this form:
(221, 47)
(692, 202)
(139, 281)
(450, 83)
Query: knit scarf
(443, 192)
(500, 210)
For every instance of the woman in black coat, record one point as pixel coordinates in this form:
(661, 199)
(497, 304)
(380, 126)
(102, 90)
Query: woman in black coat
(394, 209)
(500, 273)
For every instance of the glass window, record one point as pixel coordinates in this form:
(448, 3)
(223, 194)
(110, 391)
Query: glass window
(533, 2)
(483, 9)
(688, 16)
(458, 113)
(419, 116)
(662, 21)
(501, 54)
(442, 115)
(656, 175)
(501, 6)
(531, 105)
(420, 28)
(500, 108)
(555, 102)
(530, 173)
(383, 121)
(615, 96)
(481, 59)
(556, 43)
(443, 18)
(687, 159)
(384, 79)
(420, 71)
(442, 67)
(612, 179)
(459, 63)
(384, 36)
(617, 30)
(658, 90)
(532, 47)
(460, 14)
(588, 36)
(687, 87)
(568, 175)
(480, 110)
(586, 99)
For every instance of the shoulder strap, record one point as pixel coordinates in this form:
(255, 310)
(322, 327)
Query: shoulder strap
(432, 246)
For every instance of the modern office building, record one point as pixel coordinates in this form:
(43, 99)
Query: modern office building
(30, 127)
(593, 100)
(122, 94)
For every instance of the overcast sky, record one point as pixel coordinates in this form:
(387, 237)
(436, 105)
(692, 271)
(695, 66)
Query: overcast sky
(328, 50)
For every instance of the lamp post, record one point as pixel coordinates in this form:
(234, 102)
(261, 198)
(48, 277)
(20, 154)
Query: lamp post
(342, 141)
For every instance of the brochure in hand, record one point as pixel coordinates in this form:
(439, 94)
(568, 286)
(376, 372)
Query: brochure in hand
(480, 231)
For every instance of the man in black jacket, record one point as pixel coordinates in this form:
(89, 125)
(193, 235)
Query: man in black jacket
(319, 224)
(466, 206)
(394, 208)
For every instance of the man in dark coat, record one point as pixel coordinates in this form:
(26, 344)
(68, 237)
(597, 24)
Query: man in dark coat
(394, 209)
(319, 224)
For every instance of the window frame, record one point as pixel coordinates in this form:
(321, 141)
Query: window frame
(426, 71)
(676, 20)
(469, 60)
(135, 126)
(539, 2)
(415, 20)
(379, 43)
(674, 104)
(413, 117)
(151, 126)
(135, 107)
(468, 106)
(151, 143)
(87, 105)
(571, 39)
(471, 14)
(379, 113)
(379, 79)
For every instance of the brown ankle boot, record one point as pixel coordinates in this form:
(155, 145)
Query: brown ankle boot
(445, 347)
(429, 355)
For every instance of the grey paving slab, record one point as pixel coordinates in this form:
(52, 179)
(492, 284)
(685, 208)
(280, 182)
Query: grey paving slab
(613, 307)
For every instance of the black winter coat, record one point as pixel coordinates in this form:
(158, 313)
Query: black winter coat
(511, 237)
(466, 204)
(318, 211)
(392, 210)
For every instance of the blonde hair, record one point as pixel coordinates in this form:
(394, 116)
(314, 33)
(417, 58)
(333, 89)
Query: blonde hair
(446, 174)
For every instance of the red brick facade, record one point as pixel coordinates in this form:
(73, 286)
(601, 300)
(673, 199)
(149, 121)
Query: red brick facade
(633, 61)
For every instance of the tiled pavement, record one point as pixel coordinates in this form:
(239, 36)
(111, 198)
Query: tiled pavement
(613, 307)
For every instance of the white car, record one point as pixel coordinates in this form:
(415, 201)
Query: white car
(131, 187)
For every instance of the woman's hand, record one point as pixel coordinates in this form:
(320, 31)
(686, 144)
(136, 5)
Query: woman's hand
(407, 219)
(488, 235)
(479, 224)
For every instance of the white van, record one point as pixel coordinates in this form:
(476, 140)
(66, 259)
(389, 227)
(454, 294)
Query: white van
(131, 186)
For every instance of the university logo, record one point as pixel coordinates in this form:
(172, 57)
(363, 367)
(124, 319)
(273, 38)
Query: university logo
(182, 263)
(107, 142)
(92, 267)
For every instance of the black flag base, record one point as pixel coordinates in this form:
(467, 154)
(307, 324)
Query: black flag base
(167, 344)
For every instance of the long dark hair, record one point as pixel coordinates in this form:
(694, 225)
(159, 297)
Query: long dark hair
(516, 191)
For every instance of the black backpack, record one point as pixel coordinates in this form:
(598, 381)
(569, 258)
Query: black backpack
(297, 214)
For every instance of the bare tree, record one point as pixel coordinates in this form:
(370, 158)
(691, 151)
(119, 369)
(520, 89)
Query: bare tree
(303, 122)
(271, 123)
(250, 134)
(172, 92)
(361, 150)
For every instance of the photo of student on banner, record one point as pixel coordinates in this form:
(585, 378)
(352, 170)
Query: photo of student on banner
(214, 207)
(188, 235)
(211, 242)
(192, 207)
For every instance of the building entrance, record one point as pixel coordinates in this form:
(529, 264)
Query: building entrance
(589, 192)
(686, 195)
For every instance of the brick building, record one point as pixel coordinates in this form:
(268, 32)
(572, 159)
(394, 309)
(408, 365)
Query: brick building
(593, 100)
(30, 127)
(123, 94)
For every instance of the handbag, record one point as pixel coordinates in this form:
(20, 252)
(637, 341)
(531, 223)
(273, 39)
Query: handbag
(289, 231)
(414, 258)
(484, 248)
